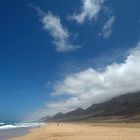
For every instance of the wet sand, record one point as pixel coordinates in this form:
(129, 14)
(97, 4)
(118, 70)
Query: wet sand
(8, 133)
(94, 131)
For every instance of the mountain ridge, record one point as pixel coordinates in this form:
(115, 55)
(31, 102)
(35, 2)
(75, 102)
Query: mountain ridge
(122, 108)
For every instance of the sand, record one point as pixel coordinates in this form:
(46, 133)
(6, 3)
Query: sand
(94, 131)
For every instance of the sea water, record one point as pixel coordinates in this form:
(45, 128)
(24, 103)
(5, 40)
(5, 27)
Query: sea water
(4, 125)
(9, 130)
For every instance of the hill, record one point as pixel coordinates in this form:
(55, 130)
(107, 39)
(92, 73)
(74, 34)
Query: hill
(119, 109)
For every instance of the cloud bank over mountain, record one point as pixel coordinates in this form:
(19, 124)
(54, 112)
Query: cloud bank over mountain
(90, 86)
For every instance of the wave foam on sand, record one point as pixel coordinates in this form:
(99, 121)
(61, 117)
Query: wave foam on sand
(18, 125)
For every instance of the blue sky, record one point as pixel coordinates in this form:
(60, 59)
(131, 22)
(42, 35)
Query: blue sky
(45, 45)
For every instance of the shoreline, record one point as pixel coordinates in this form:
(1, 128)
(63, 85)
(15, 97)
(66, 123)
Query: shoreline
(83, 131)
(6, 134)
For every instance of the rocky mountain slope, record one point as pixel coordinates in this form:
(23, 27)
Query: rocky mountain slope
(123, 108)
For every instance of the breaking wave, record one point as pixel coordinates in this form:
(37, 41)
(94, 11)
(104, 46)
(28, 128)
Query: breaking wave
(18, 125)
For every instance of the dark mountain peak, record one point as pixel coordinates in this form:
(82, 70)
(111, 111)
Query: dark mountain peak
(44, 119)
(79, 109)
(121, 105)
(75, 112)
(118, 107)
(58, 114)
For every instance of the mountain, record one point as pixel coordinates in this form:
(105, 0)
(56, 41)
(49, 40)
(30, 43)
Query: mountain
(58, 116)
(122, 105)
(123, 108)
(71, 115)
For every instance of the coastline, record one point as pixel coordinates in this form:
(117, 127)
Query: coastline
(83, 131)
(10, 133)
(10, 130)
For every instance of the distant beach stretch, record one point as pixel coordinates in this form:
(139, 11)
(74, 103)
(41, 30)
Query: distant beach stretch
(84, 131)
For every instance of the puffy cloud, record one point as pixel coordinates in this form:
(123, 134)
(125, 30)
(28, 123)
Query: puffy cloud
(89, 10)
(107, 28)
(91, 86)
(61, 35)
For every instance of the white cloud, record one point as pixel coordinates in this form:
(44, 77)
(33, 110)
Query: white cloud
(91, 86)
(61, 35)
(89, 10)
(107, 28)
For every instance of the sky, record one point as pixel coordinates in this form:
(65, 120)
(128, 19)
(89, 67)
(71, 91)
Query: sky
(56, 56)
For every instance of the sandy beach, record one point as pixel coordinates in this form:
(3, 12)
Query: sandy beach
(94, 131)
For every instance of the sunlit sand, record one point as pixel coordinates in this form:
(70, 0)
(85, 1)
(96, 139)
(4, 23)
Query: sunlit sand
(94, 131)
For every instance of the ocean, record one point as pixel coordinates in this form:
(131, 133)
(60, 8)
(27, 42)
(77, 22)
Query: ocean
(9, 130)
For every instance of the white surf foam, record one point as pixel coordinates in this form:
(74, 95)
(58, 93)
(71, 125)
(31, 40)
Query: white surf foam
(19, 125)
